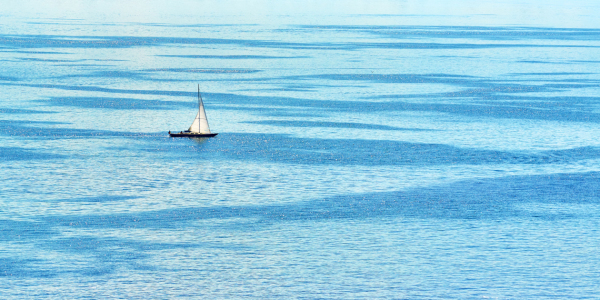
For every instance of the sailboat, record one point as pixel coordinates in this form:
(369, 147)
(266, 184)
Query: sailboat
(199, 128)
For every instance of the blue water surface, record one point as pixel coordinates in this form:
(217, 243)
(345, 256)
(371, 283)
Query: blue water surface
(366, 150)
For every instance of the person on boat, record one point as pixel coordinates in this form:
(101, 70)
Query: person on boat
(169, 131)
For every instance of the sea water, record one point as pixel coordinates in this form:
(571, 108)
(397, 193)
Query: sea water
(366, 150)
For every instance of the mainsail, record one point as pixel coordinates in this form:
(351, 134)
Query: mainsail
(200, 124)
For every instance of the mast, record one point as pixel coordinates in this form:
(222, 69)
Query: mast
(199, 110)
(202, 113)
(201, 121)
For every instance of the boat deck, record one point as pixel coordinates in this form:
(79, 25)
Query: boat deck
(192, 134)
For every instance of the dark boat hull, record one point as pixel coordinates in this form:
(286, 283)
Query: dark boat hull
(193, 135)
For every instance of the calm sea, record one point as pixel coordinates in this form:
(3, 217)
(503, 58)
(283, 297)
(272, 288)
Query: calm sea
(366, 150)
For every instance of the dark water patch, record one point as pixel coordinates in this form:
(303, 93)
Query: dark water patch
(22, 111)
(97, 199)
(570, 154)
(499, 111)
(450, 79)
(304, 124)
(33, 51)
(107, 59)
(211, 71)
(276, 148)
(478, 87)
(8, 78)
(571, 82)
(57, 23)
(106, 254)
(550, 74)
(290, 113)
(495, 198)
(299, 85)
(217, 97)
(24, 268)
(116, 103)
(545, 198)
(271, 111)
(49, 41)
(80, 65)
(487, 92)
(494, 92)
(482, 85)
(468, 32)
(529, 104)
(455, 56)
(22, 154)
(41, 52)
(9, 128)
(106, 74)
(586, 61)
(542, 62)
(472, 199)
(133, 249)
(29, 122)
(233, 56)
(105, 90)
(585, 104)
(194, 25)
(508, 112)
(548, 103)
(57, 41)
(291, 89)
(573, 114)
(136, 75)
(576, 101)
(50, 60)
(25, 231)
(498, 88)
(415, 45)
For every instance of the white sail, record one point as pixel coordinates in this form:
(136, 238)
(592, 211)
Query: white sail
(200, 124)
